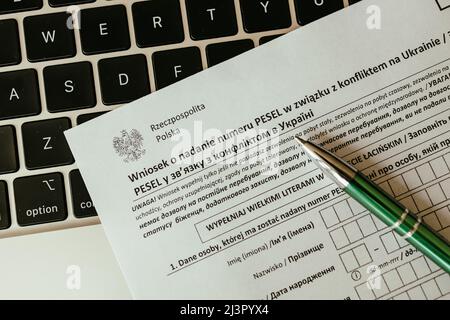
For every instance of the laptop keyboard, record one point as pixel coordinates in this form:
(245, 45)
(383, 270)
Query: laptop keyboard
(65, 62)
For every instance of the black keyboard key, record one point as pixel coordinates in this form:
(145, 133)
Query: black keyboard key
(104, 29)
(263, 15)
(5, 219)
(219, 52)
(69, 87)
(40, 199)
(174, 65)
(157, 22)
(89, 116)
(353, 1)
(9, 6)
(311, 10)
(59, 3)
(9, 162)
(19, 94)
(123, 79)
(45, 145)
(266, 39)
(9, 34)
(47, 37)
(211, 18)
(81, 200)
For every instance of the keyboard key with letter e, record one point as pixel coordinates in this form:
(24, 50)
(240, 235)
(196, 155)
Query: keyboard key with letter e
(174, 65)
(123, 79)
(45, 144)
(157, 22)
(211, 18)
(9, 162)
(40, 199)
(19, 94)
(5, 219)
(311, 10)
(81, 200)
(47, 37)
(104, 29)
(69, 87)
(9, 33)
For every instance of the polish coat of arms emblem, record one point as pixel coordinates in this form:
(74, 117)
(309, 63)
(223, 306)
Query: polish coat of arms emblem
(129, 146)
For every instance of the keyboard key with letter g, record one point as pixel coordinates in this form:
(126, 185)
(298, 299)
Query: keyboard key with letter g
(40, 199)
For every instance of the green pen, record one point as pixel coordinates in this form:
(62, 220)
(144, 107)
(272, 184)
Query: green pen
(381, 204)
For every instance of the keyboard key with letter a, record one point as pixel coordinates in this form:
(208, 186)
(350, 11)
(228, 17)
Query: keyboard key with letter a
(19, 94)
(211, 18)
(157, 22)
(174, 65)
(9, 162)
(45, 145)
(5, 219)
(104, 29)
(123, 79)
(40, 199)
(311, 10)
(69, 86)
(47, 37)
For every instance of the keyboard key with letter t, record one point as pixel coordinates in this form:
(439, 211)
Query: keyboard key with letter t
(211, 18)
(5, 220)
(104, 29)
(157, 22)
(45, 145)
(174, 65)
(40, 199)
(47, 37)
(311, 10)
(19, 94)
(9, 162)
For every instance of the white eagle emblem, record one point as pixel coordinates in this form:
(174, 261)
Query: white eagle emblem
(129, 145)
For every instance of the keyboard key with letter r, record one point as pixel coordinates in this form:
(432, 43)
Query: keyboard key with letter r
(157, 22)
(40, 199)
(19, 94)
(5, 219)
(174, 65)
(47, 37)
(45, 144)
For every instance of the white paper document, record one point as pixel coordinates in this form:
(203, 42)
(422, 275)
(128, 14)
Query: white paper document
(203, 193)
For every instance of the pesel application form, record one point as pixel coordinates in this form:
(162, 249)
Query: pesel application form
(203, 193)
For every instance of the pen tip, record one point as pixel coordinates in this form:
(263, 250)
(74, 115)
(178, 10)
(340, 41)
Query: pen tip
(300, 140)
